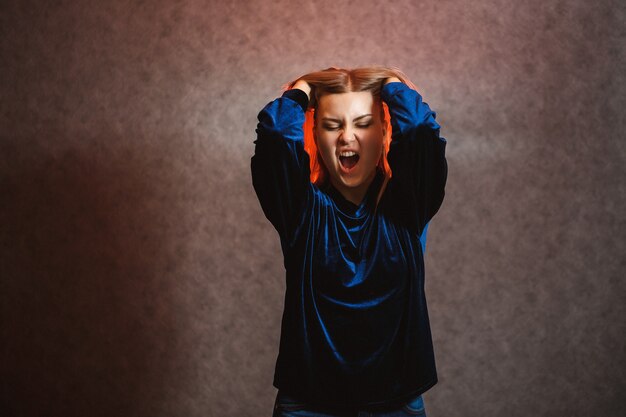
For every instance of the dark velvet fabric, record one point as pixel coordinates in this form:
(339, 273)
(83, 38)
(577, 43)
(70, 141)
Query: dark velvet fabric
(355, 329)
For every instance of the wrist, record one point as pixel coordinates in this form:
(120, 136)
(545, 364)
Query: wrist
(298, 96)
(303, 86)
(392, 80)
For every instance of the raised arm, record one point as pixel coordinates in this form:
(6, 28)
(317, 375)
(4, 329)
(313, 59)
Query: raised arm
(416, 155)
(280, 165)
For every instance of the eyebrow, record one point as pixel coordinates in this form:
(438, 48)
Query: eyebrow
(330, 119)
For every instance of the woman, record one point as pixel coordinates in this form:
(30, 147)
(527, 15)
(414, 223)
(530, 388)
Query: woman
(349, 167)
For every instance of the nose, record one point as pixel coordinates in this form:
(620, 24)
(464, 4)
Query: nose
(347, 134)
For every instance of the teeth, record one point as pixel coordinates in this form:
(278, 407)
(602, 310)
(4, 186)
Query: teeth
(349, 153)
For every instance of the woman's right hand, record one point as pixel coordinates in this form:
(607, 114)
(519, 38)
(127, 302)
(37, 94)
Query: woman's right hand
(304, 86)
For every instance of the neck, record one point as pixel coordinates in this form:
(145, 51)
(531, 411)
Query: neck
(355, 194)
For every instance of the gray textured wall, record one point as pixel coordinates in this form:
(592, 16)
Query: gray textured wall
(139, 276)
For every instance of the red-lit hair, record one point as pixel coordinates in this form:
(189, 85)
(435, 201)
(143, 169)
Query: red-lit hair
(341, 80)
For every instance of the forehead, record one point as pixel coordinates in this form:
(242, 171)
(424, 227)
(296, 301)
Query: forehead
(347, 104)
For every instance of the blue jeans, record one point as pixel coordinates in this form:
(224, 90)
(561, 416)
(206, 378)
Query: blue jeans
(286, 406)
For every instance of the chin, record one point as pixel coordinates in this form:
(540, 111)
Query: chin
(352, 181)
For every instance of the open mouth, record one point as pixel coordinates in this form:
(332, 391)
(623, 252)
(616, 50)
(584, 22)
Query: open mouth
(348, 160)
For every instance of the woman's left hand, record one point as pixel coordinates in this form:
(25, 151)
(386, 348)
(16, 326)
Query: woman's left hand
(392, 80)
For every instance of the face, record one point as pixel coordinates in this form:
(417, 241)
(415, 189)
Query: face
(349, 134)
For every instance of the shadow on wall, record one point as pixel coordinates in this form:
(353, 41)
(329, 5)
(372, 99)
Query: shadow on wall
(86, 324)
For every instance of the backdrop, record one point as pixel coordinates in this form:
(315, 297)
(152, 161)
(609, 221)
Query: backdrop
(138, 273)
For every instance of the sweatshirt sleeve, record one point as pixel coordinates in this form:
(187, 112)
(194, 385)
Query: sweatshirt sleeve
(280, 165)
(416, 155)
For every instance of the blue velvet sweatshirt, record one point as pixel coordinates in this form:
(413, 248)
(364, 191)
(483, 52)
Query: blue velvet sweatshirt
(355, 330)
